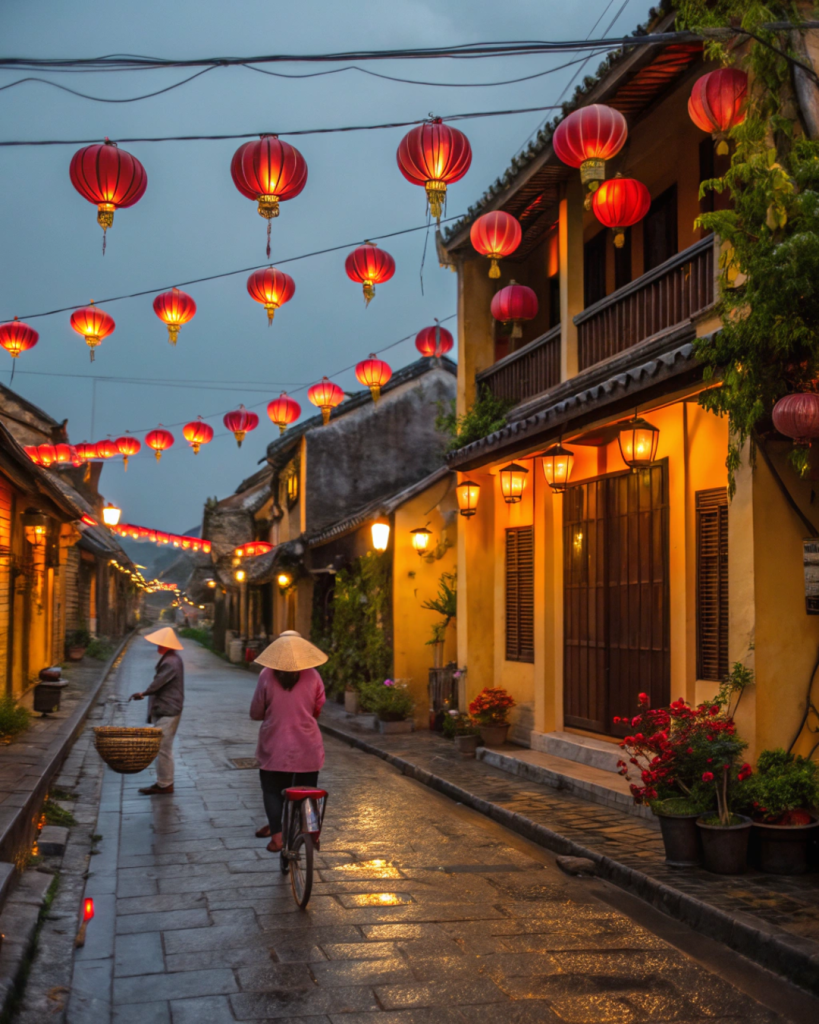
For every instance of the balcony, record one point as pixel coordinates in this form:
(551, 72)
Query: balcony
(527, 372)
(677, 290)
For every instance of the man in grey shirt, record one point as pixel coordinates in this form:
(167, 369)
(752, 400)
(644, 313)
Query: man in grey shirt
(167, 696)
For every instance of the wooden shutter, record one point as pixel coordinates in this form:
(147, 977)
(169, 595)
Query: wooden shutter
(712, 583)
(520, 594)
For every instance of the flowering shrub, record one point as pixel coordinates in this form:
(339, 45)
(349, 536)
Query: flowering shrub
(390, 700)
(784, 788)
(491, 706)
(456, 723)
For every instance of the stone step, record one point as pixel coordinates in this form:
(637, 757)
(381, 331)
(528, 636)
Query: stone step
(568, 745)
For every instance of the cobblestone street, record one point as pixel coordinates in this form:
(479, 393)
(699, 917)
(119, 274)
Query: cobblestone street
(422, 910)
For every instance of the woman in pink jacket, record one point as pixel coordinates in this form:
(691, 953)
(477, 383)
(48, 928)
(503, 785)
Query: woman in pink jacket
(288, 699)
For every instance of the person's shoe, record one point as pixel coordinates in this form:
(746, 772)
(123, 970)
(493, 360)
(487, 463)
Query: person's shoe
(263, 832)
(157, 790)
(275, 844)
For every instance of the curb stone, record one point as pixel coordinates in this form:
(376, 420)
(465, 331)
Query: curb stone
(787, 955)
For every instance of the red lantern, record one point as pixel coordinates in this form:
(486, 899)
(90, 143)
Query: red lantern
(106, 449)
(33, 454)
(619, 203)
(240, 422)
(127, 446)
(495, 235)
(717, 103)
(373, 373)
(17, 337)
(256, 547)
(93, 324)
(326, 396)
(370, 266)
(434, 155)
(63, 454)
(159, 440)
(589, 137)
(269, 171)
(283, 411)
(796, 416)
(197, 433)
(47, 454)
(514, 304)
(108, 176)
(87, 451)
(272, 288)
(434, 341)
(174, 308)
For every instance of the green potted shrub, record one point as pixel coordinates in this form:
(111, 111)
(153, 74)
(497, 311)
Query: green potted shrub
(463, 731)
(782, 797)
(490, 710)
(724, 835)
(392, 703)
(76, 643)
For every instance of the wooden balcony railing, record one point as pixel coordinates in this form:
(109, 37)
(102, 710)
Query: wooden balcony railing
(675, 291)
(527, 372)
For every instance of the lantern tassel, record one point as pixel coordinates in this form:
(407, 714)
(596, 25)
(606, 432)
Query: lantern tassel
(92, 355)
(173, 333)
(125, 463)
(325, 414)
(268, 239)
(494, 269)
(369, 292)
(375, 391)
(282, 429)
(158, 454)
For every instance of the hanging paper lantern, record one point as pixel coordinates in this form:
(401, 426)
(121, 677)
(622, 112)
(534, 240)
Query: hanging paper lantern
(251, 550)
(326, 396)
(370, 266)
(717, 103)
(63, 454)
(589, 137)
(434, 341)
(107, 449)
(268, 171)
(514, 304)
(87, 451)
(283, 411)
(17, 337)
(93, 324)
(434, 155)
(240, 422)
(619, 203)
(174, 308)
(159, 440)
(47, 454)
(495, 235)
(127, 446)
(108, 176)
(33, 454)
(557, 467)
(373, 373)
(197, 433)
(272, 288)
(797, 416)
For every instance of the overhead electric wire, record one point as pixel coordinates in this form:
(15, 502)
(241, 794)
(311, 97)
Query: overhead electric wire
(103, 99)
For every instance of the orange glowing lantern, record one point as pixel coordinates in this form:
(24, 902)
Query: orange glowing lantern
(373, 373)
(326, 396)
(495, 235)
(63, 453)
(589, 137)
(557, 467)
(160, 440)
(434, 341)
(434, 155)
(93, 324)
(268, 171)
(33, 454)
(717, 103)
(256, 547)
(127, 446)
(468, 493)
(174, 308)
(87, 451)
(619, 203)
(513, 482)
(240, 421)
(110, 177)
(370, 266)
(17, 337)
(272, 288)
(638, 442)
(107, 449)
(197, 433)
(283, 411)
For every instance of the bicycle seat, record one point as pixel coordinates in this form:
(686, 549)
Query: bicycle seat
(303, 792)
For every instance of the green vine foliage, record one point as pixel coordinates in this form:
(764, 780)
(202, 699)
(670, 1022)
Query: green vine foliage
(485, 416)
(769, 267)
(358, 641)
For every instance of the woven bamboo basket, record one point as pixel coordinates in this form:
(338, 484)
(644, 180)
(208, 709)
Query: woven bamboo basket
(127, 750)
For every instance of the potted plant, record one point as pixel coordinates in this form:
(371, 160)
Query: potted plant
(393, 705)
(490, 710)
(76, 643)
(724, 835)
(463, 731)
(350, 699)
(782, 797)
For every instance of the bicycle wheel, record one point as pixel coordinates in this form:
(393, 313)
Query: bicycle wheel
(301, 869)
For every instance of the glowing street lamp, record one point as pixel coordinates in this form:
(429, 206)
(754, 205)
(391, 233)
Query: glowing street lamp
(513, 482)
(420, 539)
(468, 493)
(638, 442)
(381, 534)
(240, 575)
(111, 514)
(283, 580)
(557, 467)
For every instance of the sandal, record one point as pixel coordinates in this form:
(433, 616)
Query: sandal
(275, 844)
(263, 832)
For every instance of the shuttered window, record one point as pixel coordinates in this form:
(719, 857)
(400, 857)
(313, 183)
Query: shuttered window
(712, 583)
(520, 594)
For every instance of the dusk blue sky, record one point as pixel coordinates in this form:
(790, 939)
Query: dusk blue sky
(193, 222)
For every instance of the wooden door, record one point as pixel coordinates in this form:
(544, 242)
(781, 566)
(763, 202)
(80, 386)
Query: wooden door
(615, 597)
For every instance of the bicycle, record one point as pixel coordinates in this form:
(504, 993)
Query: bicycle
(301, 828)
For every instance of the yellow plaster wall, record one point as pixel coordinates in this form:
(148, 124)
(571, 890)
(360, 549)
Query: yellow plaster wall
(476, 606)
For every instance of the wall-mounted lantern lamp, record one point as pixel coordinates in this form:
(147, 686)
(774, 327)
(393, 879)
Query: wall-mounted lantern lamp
(638, 442)
(557, 467)
(35, 527)
(420, 539)
(239, 575)
(111, 514)
(513, 482)
(284, 580)
(381, 534)
(468, 493)
(211, 584)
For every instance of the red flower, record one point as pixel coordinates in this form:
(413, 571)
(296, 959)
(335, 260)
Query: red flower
(642, 698)
(714, 709)
(707, 776)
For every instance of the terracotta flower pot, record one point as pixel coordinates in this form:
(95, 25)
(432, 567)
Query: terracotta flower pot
(76, 653)
(725, 847)
(466, 745)
(681, 839)
(782, 849)
(494, 735)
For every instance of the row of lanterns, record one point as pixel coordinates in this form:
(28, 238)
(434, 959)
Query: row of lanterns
(142, 533)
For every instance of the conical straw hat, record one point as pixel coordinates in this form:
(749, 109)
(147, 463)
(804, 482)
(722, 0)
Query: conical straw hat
(165, 637)
(290, 652)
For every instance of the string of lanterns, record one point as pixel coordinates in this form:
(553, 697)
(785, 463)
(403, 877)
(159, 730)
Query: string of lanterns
(143, 533)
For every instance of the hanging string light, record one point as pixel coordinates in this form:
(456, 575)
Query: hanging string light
(272, 288)
(174, 308)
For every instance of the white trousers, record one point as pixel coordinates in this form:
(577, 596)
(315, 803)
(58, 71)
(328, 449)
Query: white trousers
(164, 759)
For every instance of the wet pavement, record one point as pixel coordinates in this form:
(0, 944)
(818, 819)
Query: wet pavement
(422, 911)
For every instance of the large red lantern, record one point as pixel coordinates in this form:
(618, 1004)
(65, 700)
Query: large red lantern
(197, 433)
(514, 304)
(87, 451)
(64, 453)
(374, 373)
(717, 103)
(93, 324)
(589, 137)
(17, 337)
(620, 203)
(240, 421)
(370, 266)
(106, 449)
(797, 416)
(127, 446)
(33, 454)
(108, 176)
(434, 155)
(495, 235)
(47, 454)
(272, 288)
(434, 341)
(268, 171)
(160, 440)
(283, 411)
(174, 308)
(326, 396)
